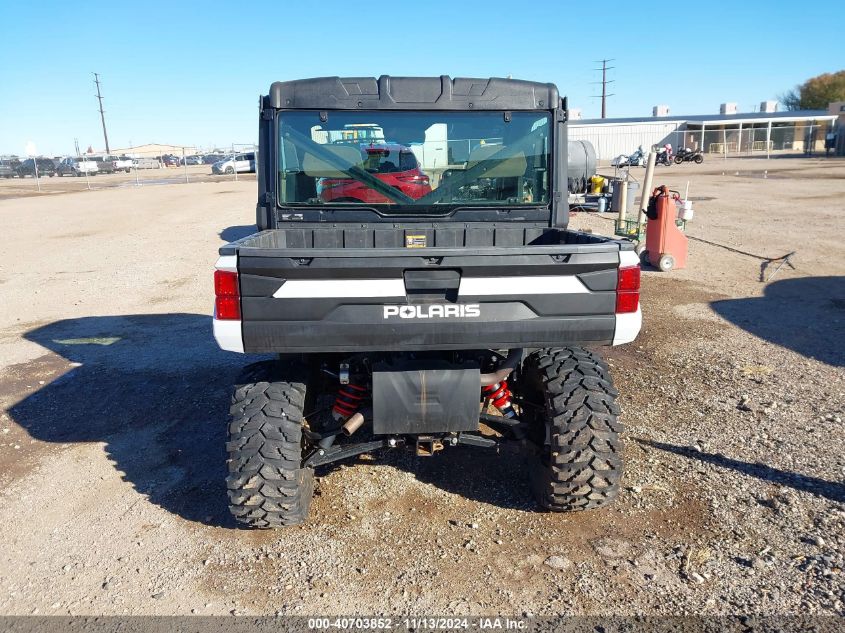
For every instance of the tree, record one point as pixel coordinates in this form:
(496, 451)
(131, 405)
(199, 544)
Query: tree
(816, 93)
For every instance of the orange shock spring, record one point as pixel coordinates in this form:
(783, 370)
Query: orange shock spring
(500, 396)
(348, 400)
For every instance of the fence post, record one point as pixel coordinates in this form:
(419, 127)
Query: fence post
(185, 165)
(234, 163)
(87, 179)
(768, 139)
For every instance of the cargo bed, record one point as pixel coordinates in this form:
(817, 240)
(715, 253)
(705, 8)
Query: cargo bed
(396, 287)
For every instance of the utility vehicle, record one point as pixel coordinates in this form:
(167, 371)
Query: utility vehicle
(465, 314)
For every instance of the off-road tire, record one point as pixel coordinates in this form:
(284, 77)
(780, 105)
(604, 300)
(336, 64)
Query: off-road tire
(267, 486)
(579, 463)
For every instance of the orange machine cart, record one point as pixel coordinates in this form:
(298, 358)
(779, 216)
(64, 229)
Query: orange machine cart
(665, 243)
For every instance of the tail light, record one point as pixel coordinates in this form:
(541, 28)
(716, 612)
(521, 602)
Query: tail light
(628, 289)
(227, 302)
(417, 179)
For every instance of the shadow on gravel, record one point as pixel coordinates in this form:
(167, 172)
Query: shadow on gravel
(832, 490)
(806, 315)
(237, 232)
(498, 478)
(154, 388)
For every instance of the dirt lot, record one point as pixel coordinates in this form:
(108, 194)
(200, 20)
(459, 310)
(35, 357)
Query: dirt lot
(114, 397)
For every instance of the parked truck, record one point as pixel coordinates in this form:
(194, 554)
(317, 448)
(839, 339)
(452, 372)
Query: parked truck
(462, 313)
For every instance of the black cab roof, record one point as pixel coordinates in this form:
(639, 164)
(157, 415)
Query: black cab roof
(412, 93)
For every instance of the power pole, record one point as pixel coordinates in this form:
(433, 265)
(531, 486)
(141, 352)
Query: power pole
(103, 116)
(604, 81)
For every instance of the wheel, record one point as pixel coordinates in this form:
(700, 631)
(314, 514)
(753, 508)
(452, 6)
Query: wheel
(570, 405)
(644, 261)
(678, 160)
(698, 159)
(639, 249)
(129, 170)
(266, 482)
(666, 263)
(230, 170)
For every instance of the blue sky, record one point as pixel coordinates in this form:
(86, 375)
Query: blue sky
(191, 72)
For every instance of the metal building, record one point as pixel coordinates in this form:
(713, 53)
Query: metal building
(741, 134)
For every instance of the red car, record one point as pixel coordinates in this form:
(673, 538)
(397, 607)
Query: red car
(394, 164)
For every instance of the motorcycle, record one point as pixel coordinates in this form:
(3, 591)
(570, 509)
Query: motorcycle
(663, 158)
(635, 159)
(686, 155)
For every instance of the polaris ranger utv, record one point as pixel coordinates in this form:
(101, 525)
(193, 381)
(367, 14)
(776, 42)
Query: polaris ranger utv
(414, 275)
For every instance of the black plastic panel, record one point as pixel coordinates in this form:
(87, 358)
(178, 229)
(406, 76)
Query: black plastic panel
(413, 93)
(425, 397)
(466, 236)
(331, 336)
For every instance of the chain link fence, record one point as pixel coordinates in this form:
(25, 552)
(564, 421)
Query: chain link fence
(729, 139)
(21, 176)
(759, 140)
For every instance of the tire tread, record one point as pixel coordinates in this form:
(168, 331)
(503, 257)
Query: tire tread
(266, 484)
(580, 466)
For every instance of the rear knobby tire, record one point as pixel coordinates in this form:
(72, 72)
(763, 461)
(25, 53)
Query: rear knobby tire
(579, 465)
(267, 485)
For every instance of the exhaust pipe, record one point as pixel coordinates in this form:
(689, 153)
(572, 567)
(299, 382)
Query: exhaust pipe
(509, 364)
(355, 421)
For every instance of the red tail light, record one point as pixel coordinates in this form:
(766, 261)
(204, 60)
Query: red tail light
(628, 289)
(227, 302)
(420, 179)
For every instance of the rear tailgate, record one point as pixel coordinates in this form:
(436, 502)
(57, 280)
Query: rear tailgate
(345, 299)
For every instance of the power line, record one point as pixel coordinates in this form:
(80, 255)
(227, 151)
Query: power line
(102, 114)
(604, 81)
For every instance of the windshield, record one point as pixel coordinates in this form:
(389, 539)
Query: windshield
(414, 159)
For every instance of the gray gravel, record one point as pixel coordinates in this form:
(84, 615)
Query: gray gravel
(111, 453)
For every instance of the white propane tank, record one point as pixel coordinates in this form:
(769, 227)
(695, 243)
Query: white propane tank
(602, 204)
(686, 211)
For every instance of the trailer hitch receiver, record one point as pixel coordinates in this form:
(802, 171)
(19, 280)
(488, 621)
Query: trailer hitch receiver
(427, 445)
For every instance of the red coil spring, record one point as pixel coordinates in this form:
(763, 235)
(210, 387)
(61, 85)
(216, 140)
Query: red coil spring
(349, 399)
(500, 395)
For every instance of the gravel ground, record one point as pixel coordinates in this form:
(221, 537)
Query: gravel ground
(114, 398)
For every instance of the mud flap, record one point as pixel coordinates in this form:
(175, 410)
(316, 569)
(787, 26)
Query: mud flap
(418, 397)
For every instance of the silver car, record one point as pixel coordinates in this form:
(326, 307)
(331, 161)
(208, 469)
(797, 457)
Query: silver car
(243, 163)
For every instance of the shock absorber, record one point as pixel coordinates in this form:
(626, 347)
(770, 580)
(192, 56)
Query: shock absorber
(348, 401)
(500, 396)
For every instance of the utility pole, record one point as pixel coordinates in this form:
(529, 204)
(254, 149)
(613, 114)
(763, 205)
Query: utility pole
(103, 116)
(604, 81)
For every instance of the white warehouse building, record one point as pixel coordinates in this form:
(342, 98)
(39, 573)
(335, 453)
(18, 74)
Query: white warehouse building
(737, 134)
